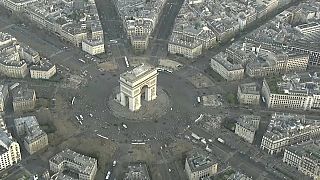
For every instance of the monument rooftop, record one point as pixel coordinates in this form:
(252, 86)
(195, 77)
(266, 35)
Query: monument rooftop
(138, 72)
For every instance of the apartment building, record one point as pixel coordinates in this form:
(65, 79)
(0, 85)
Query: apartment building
(59, 17)
(24, 99)
(246, 127)
(16, 5)
(309, 30)
(225, 68)
(296, 91)
(84, 167)
(43, 70)
(11, 66)
(28, 129)
(3, 96)
(276, 62)
(199, 165)
(16, 58)
(93, 47)
(139, 20)
(137, 171)
(3, 126)
(248, 94)
(10, 151)
(305, 157)
(185, 46)
(288, 129)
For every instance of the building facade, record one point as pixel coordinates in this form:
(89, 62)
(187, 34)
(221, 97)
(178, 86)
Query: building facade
(185, 46)
(291, 92)
(270, 63)
(305, 157)
(93, 47)
(3, 96)
(28, 129)
(45, 70)
(287, 129)
(248, 94)
(16, 5)
(23, 99)
(247, 126)
(10, 151)
(226, 69)
(139, 43)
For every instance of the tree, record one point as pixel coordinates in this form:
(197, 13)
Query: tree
(231, 98)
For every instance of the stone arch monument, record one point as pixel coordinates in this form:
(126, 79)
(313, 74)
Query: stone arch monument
(140, 81)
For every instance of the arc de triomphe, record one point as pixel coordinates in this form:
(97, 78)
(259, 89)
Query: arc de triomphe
(137, 83)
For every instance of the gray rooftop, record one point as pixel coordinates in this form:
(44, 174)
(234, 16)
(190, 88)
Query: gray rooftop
(22, 94)
(249, 88)
(198, 161)
(309, 149)
(222, 59)
(85, 164)
(5, 141)
(43, 66)
(286, 125)
(32, 128)
(250, 122)
(137, 171)
(137, 72)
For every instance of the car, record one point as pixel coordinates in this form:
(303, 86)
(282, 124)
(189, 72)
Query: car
(124, 125)
(108, 175)
(114, 163)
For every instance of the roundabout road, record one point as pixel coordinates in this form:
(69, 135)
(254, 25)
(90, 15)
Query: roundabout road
(93, 99)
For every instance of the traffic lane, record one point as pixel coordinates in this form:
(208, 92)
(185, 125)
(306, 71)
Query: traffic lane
(167, 18)
(110, 20)
(34, 41)
(115, 50)
(252, 168)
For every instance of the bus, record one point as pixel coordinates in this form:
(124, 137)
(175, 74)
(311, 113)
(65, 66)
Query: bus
(113, 41)
(195, 136)
(81, 60)
(199, 99)
(126, 61)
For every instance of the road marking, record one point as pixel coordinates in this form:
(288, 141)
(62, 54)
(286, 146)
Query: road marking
(56, 53)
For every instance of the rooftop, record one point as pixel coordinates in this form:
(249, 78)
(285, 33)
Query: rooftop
(22, 94)
(138, 72)
(288, 125)
(250, 122)
(222, 59)
(309, 149)
(198, 161)
(85, 164)
(137, 171)
(5, 141)
(292, 84)
(31, 126)
(249, 88)
(43, 66)
(74, 17)
(3, 92)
